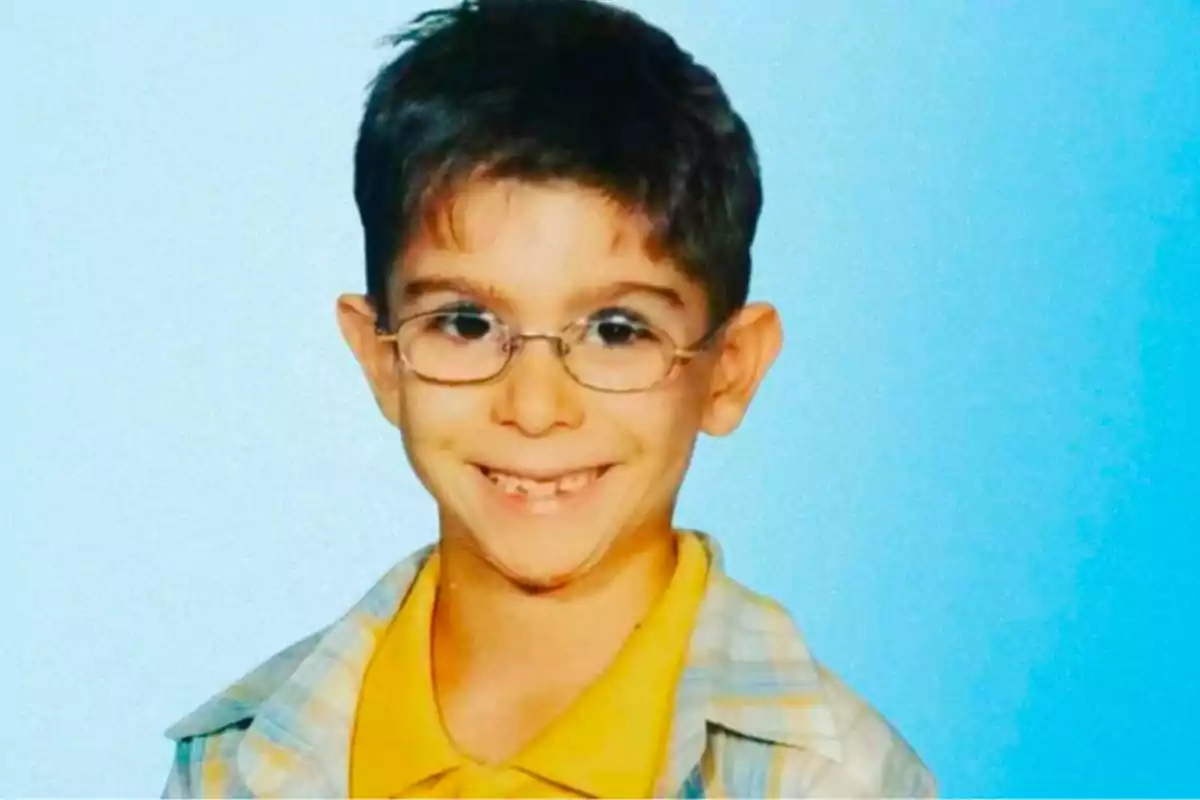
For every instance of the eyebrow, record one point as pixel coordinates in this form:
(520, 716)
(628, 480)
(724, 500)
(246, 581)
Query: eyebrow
(418, 288)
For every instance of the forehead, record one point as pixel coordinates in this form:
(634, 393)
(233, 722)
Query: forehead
(542, 242)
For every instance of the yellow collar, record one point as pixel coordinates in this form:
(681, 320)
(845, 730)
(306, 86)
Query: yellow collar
(609, 743)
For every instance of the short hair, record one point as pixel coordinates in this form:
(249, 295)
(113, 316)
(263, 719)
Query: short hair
(553, 90)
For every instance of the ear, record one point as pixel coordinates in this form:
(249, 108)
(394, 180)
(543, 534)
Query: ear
(378, 359)
(744, 353)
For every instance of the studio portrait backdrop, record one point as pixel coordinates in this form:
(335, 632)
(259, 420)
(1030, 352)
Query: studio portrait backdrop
(971, 476)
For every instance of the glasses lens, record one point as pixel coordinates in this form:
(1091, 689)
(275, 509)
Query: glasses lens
(617, 355)
(453, 346)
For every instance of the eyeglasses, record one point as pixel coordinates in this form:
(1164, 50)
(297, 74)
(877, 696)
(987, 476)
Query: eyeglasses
(610, 353)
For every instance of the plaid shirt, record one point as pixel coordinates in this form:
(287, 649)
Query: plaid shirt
(755, 715)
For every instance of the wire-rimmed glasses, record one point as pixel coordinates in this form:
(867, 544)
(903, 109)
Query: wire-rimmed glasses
(615, 353)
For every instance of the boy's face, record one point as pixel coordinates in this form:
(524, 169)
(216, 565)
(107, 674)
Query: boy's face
(608, 467)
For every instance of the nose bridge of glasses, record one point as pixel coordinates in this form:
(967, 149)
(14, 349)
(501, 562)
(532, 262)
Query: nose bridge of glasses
(557, 364)
(558, 343)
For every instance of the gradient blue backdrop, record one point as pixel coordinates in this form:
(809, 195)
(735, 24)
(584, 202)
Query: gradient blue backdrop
(972, 476)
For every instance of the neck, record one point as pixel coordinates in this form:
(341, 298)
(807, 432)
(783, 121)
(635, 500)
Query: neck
(483, 620)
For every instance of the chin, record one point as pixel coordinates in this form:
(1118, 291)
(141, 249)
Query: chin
(542, 561)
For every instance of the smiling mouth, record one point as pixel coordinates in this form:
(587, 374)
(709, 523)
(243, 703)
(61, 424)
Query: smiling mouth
(544, 487)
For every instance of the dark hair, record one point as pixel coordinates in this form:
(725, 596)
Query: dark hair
(545, 90)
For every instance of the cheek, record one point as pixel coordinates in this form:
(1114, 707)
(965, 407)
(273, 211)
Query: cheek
(435, 417)
(664, 423)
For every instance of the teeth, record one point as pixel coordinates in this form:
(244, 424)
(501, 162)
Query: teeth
(540, 490)
(573, 483)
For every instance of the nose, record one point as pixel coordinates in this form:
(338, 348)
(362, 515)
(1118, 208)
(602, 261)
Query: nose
(537, 395)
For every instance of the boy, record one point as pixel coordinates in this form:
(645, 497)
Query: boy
(558, 207)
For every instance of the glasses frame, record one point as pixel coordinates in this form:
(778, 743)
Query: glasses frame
(514, 342)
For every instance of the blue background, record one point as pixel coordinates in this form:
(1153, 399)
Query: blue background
(972, 476)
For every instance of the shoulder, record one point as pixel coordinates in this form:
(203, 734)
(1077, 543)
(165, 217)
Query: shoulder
(238, 703)
(207, 738)
(876, 758)
(825, 739)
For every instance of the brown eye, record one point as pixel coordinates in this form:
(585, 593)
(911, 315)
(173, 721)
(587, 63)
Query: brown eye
(618, 328)
(467, 323)
(466, 326)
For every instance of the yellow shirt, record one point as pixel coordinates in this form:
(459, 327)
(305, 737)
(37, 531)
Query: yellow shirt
(609, 743)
